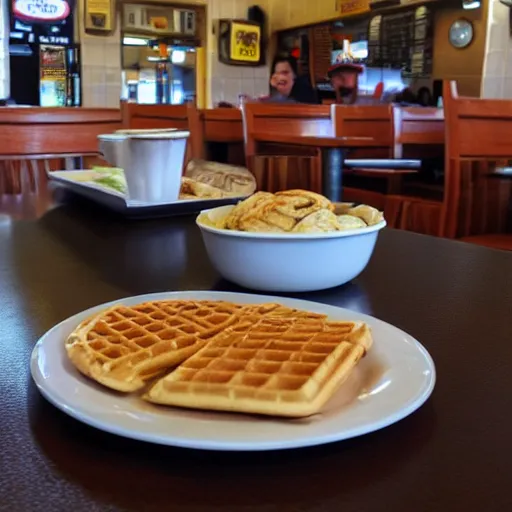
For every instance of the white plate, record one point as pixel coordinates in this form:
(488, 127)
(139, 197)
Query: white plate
(395, 378)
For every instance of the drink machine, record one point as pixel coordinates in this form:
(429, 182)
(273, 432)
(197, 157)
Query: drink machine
(44, 61)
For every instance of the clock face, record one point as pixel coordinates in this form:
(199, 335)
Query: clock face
(461, 34)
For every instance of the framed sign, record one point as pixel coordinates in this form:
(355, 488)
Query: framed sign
(99, 15)
(240, 42)
(245, 42)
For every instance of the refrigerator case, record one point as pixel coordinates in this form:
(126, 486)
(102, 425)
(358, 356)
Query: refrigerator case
(45, 75)
(52, 76)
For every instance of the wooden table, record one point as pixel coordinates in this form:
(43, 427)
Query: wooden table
(332, 155)
(452, 454)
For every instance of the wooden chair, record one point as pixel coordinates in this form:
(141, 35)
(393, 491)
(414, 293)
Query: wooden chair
(277, 167)
(137, 116)
(477, 139)
(217, 125)
(419, 133)
(476, 135)
(376, 122)
(144, 117)
(37, 140)
(399, 133)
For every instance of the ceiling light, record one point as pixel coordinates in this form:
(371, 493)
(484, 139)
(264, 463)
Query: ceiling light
(178, 57)
(471, 4)
(134, 41)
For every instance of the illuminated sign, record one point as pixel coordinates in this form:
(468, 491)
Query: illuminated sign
(245, 42)
(41, 10)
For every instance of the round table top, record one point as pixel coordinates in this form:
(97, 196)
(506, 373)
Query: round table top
(452, 454)
(317, 141)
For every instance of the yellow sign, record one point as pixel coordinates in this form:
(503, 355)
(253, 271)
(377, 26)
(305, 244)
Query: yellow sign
(99, 15)
(245, 42)
(348, 7)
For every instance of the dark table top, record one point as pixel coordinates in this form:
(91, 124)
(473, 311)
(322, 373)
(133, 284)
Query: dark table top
(452, 454)
(318, 141)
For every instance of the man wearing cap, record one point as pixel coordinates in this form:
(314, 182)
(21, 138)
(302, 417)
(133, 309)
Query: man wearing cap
(345, 82)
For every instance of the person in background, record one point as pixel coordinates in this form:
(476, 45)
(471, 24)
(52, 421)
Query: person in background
(345, 82)
(286, 85)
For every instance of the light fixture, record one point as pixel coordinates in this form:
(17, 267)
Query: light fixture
(178, 57)
(134, 41)
(471, 4)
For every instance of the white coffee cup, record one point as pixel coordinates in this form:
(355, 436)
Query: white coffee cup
(152, 162)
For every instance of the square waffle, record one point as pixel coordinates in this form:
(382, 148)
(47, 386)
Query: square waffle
(279, 366)
(125, 346)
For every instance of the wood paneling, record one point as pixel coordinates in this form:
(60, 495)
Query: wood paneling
(155, 116)
(44, 131)
(465, 65)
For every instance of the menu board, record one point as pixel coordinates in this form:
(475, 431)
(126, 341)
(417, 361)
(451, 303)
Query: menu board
(322, 46)
(402, 40)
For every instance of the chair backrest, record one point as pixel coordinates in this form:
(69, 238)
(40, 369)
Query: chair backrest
(136, 116)
(293, 119)
(213, 125)
(376, 121)
(477, 136)
(37, 140)
(422, 127)
(476, 128)
(54, 131)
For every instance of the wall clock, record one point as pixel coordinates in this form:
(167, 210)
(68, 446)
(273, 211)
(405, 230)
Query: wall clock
(461, 33)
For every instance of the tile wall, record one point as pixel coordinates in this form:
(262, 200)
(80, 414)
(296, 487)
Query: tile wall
(101, 61)
(101, 67)
(497, 75)
(227, 82)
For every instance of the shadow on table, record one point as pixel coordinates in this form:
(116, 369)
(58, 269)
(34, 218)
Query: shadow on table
(351, 295)
(136, 476)
(140, 256)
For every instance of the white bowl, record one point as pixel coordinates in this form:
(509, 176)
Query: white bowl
(287, 262)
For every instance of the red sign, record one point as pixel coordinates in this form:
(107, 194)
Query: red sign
(41, 10)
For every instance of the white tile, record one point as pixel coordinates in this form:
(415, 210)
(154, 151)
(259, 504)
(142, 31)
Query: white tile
(231, 89)
(86, 96)
(113, 96)
(112, 76)
(498, 36)
(248, 87)
(93, 54)
(492, 87)
(495, 62)
(499, 11)
(113, 55)
(261, 87)
(507, 88)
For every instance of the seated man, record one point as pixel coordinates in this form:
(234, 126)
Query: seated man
(345, 82)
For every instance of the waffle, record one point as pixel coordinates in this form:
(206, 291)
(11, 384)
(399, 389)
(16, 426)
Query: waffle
(123, 347)
(263, 364)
